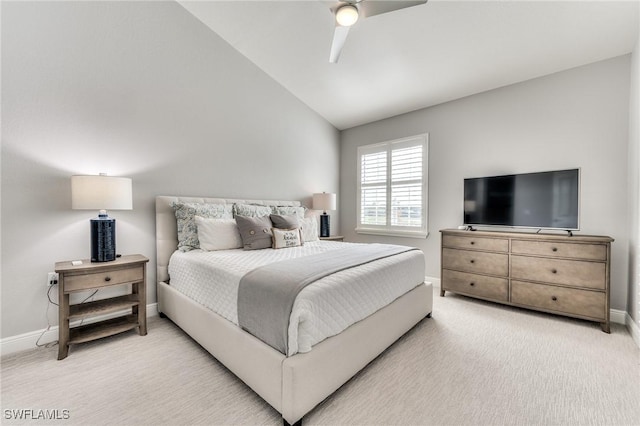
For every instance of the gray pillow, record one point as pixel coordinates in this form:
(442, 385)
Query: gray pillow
(285, 222)
(255, 232)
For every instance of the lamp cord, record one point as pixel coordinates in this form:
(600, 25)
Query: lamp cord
(51, 302)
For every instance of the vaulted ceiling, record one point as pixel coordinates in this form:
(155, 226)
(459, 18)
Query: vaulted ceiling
(419, 56)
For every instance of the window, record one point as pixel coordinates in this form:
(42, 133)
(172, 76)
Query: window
(392, 187)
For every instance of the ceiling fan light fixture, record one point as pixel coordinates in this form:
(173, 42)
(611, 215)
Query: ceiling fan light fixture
(347, 15)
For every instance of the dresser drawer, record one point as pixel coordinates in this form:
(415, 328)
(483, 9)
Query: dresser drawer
(476, 262)
(475, 243)
(559, 299)
(476, 285)
(556, 271)
(100, 279)
(568, 250)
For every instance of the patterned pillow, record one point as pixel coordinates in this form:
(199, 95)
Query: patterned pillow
(288, 210)
(185, 219)
(251, 210)
(283, 238)
(255, 232)
(309, 229)
(285, 222)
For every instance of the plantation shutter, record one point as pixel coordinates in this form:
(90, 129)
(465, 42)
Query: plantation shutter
(392, 187)
(406, 186)
(374, 188)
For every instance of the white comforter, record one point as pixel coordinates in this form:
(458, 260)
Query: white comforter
(322, 309)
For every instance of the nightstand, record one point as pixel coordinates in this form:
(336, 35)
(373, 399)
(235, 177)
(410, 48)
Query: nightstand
(129, 269)
(333, 238)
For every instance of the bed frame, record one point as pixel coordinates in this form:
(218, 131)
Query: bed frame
(292, 385)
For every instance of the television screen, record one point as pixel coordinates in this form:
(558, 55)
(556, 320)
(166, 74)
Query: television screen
(532, 200)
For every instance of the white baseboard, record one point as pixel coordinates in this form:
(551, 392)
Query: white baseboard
(633, 328)
(617, 316)
(435, 281)
(28, 340)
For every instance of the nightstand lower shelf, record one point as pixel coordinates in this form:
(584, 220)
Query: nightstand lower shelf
(98, 330)
(101, 307)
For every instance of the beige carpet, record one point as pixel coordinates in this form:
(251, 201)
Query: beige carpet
(473, 363)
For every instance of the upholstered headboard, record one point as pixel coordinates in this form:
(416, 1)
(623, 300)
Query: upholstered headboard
(167, 229)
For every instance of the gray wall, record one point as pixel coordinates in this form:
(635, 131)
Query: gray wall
(575, 118)
(633, 304)
(136, 89)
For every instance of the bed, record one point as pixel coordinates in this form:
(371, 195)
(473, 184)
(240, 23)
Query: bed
(293, 384)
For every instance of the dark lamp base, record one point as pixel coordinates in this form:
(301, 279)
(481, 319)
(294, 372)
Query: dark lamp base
(324, 225)
(103, 240)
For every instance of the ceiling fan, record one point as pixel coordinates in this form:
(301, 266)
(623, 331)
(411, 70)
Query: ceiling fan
(347, 13)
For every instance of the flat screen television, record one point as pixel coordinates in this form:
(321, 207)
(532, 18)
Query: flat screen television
(546, 200)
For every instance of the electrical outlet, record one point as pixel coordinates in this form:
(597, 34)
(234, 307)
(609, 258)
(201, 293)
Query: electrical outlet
(52, 278)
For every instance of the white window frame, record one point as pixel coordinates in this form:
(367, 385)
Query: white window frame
(388, 229)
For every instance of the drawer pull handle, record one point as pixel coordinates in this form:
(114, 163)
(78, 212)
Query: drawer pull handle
(472, 284)
(107, 279)
(554, 249)
(554, 298)
(472, 261)
(554, 271)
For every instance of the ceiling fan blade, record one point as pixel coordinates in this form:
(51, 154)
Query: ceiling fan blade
(375, 7)
(339, 38)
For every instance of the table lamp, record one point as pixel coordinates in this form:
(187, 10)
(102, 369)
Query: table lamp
(324, 201)
(101, 193)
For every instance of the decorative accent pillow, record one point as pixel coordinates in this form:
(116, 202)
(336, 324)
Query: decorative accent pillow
(218, 234)
(255, 232)
(283, 238)
(251, 210)
(309, 229)
(289, 210)
(185, 213)
(285, 222)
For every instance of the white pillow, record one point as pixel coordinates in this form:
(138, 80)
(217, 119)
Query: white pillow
(309, 227)
(283, 238)
(218, 234)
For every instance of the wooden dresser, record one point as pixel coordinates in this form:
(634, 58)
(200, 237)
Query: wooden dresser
(560, 274)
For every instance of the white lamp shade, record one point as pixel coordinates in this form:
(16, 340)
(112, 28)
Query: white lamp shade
(324, 201)
(101, 193)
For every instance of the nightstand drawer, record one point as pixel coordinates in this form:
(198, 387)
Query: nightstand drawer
(476, 285)
(546, 248)
(475, 243)
(559, 299)
(476, 262)
(556, 271)
(104, 278)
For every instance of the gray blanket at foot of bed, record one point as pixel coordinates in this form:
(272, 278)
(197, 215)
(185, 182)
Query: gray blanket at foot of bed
(266, 294)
